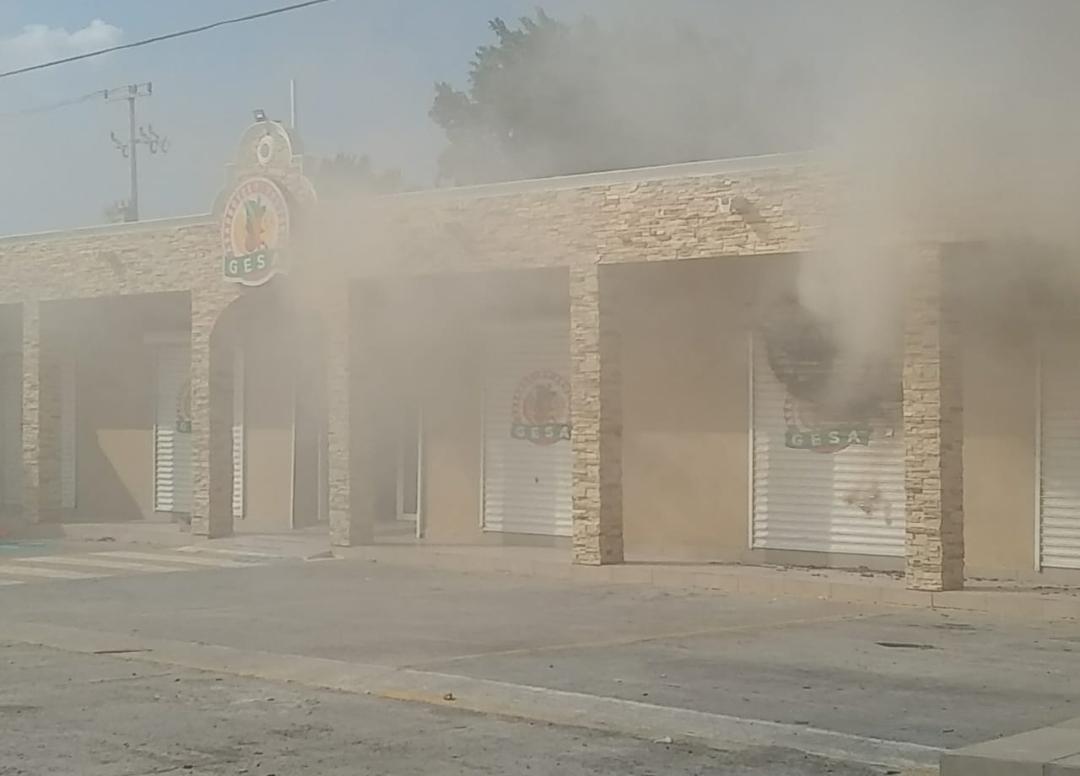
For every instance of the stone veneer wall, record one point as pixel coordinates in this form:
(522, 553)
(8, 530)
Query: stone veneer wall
(696, 211)
(933, 428)
(596, 417)
(604, 218)
(710, 210)
(145, 258)
(181, 255)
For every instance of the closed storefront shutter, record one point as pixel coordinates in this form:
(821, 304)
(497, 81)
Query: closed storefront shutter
(11, 430)
(820, 483)
(172, 431)
(68, 434)
(238, 435)
(1060, 458)
(527, 454)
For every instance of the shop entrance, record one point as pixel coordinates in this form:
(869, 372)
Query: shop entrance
(527, 458)
(828, 448)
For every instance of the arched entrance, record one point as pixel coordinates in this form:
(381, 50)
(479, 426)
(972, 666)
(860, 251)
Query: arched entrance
(256, 390)
(268, 361)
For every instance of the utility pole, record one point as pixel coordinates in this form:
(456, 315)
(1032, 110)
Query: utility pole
(294, 118)
(136, 136)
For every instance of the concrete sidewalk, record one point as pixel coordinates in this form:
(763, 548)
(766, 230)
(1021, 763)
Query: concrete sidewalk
(1049, 751)
(993, 597)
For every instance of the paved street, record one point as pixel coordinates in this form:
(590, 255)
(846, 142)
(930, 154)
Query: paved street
(103, 716)
(381, 669)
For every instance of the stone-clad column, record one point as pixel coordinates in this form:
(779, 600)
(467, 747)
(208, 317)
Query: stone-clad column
(40, 418)
(31, 415)
(211, 420)
(596, 420)
(933, 427)
(351, 454)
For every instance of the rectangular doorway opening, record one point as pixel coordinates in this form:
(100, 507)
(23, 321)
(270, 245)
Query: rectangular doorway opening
(409, 469)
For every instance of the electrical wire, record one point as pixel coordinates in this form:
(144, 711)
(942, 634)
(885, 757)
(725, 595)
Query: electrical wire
(160, 38)
(100, 93)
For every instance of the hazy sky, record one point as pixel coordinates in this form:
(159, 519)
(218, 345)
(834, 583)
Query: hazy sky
(366, 70)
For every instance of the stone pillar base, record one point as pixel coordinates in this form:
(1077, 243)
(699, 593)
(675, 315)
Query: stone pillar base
(596, 420)
(933, 428)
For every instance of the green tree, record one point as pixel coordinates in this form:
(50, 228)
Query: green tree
(550, 98)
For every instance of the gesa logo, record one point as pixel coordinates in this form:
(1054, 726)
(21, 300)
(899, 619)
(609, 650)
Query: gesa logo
(807, 430)
(541, 410)
(254, 231)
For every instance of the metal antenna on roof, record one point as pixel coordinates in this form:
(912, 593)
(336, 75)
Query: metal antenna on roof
(294, 117)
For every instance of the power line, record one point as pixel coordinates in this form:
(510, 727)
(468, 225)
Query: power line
(100, 93)
(167, 36)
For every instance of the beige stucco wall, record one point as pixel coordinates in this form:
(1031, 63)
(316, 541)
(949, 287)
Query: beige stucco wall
(685, 333)
(1000, 485)
(452, 447)
(686, 409)
(268, 421)
(115, 398)
(115, 428)
(1001, 330)
(438, 354)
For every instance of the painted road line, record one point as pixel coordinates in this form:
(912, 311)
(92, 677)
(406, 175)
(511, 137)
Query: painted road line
(35, 571)
(104, 563)
(6, 582)
(224, 551)
(187, 560)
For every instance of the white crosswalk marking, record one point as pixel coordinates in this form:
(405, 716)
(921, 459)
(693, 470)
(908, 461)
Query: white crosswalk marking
(224, 563)
(118, 563)
(104, 563)
(36, 571)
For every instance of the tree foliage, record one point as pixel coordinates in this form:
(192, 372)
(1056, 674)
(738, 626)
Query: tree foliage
(549, 98)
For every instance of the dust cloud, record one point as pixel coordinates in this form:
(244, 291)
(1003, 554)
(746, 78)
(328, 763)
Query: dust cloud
(959, 125)
(946, 122)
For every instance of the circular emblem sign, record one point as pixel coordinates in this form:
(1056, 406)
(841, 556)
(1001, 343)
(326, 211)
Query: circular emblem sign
(541, 411)
(254, 231)
(264, 151)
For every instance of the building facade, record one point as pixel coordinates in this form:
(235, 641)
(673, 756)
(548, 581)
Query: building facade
(617, 363)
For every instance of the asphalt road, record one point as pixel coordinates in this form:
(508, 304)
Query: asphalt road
(544, 671)
(95, 715)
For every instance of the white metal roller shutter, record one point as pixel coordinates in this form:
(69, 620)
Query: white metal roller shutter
(527, 484)
(1060, 458)
(11, 429)
(68, 434)
(238, 434)
(817, 500)
(172, 437)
